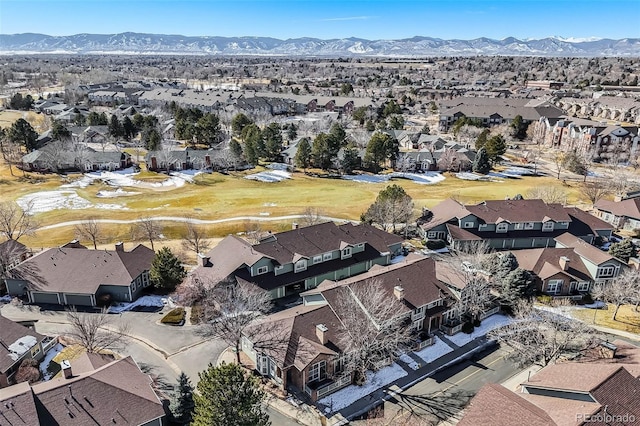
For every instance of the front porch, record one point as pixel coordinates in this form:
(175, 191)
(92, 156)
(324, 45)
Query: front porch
(319, 389)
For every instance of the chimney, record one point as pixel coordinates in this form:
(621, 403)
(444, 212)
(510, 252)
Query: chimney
(120, 246)
(66, 369)
(618, 197)
(398, 292)
(321, 333)
(204, 260)
(294, 225)
(564, 263)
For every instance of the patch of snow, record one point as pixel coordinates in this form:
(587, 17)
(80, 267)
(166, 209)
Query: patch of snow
(117, 193)
(279, 166)
(269, 205)
(347, 396)
(488, 324)
(20, 346)
(398, 259)
(48, 359)
(152, 301)
(273, 176)
(408, 360)
(5, 299)
(435, 351)
(426, 178)
(598, 304)
(45, 201)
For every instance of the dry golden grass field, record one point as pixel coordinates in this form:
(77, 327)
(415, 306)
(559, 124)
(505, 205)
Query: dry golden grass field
(218, 196)
(627, 318)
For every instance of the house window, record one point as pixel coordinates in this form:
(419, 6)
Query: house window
(35, 351)
(563, 224)
(417, 325)
(360, 246)
(278, 268)
(547, 226)
(301, 265)
(318, 371)
(482, 226)
(327, 256)
(528, 225)
(263, 270)
(519, 226)
(554, 286)
(346, 252)
(317, 259)
(502, 227)
(606, 271)
(134, 285)
(468, 225)
(583, 286)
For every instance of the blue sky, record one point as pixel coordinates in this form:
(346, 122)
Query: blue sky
(371, 19)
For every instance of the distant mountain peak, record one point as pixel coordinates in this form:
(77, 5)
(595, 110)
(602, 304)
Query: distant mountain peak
(417, 46)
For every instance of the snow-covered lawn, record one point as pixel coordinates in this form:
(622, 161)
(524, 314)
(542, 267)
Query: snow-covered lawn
(151, 301)
(47, 372)
(117, 193)
(488, 324)
(408, 360)
(45, 201)
(475, 176)
(5, 299)
(347, 396)
(422, 178)
(272, 176)
(435, 351)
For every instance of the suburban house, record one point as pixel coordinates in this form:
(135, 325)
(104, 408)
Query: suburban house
(598, 390)
(12, 253)
(457, 279)
(311, 358)
(495, 111)
(75, 275)
(623, 213)
(287, 263)
(601, 265)
(510, 224)
(179, 160)
(94, 390)
(52, 159)
(18, 343)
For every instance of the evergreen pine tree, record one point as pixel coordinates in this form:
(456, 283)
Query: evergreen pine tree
(227, 396)
(623, 250)
(182, 404)
(166, 270)
(303, 155)
(481, 163)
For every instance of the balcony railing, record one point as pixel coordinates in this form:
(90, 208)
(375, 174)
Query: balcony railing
(332, 387)
(48, 342)
(490, 312)
(451, 327)
(423, 344)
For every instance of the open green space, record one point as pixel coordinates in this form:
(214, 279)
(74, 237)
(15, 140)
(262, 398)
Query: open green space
(627, 319)
(218, 196)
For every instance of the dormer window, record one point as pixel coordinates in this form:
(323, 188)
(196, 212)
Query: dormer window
(547, 226)
(346, 252)
(467, 225)
(262, 270)
(301, 265)
(502, 227)
(327, 256)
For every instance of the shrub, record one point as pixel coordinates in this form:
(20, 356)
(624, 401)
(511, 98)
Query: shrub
(435, 244)
(174, 317)
(476, 322)
(467, 327)
(197, 312)
(544, 299)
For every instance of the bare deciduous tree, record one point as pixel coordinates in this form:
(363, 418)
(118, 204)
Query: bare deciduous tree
(11, 152)
(194, 238)
(231, 311)
(623, 289)
(312, 216)
(148, 228)
(539, 336)
(548, 194)
(594, 191)
(89, 229)
(371, 329)
(96, 332)
(16, 222)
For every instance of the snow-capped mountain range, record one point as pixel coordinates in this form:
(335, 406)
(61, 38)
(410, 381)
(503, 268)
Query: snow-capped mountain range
(154, 44)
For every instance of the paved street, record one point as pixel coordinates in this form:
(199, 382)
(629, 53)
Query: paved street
(447, 391)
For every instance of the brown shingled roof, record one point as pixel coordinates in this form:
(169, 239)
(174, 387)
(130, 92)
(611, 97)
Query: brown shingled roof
(322, 238)
(79, 270)
(493, 211)
(497, 406)
(21, 410)
(629, 207)
(11, 332)
(546, 262)
(584, 249)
